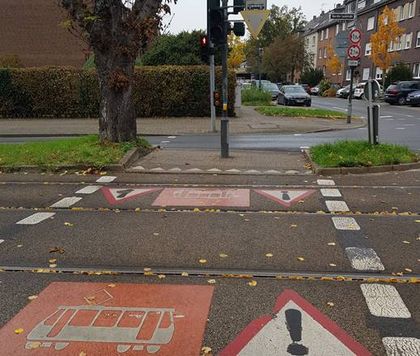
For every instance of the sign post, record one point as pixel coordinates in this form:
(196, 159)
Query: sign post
(212, 73)
(224, 124)
(353, 54)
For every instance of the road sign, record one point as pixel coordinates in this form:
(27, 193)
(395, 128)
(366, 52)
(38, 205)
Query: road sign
(256, 4)
(355, 36)
(353, 62)
(342, 16)
(285, 197)
(199, 197)
(110, 319)
(118, 195)
(255, 20)
(295, 327)
(341, 44)
(354, 51)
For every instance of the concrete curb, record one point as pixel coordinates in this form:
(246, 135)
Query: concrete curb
(359, 170)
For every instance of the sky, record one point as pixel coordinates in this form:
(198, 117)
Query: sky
(191, 14)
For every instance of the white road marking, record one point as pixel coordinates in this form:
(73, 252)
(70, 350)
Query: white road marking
(35, 218)
(386, 116)
(384, 301)
(89, 189)
(336, 205)
(66, 202)
(1, 241)
(106, 179)
(408, 115)
(304, 147)
(388, 119)
(345, 223)
(337, 108)
(400, 128)
(330, 193)
(325, 182)
(364, 259)
(297, 134)
(171, 137)
(401, 346)
(165, 141)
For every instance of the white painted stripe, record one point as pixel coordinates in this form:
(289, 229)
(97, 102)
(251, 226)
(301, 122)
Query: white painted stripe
(325, 182)
(139, 168)
(401, 346)
(1, 241)
(304, 147)
(345, 223)
(336, 206)
(297, 135)
(106, 179)
(337, 108)
(400, 128)
(35, 218)
(165, 141)
(89, 189)
(385, 116)
(330, 193)
(66, 202)
(384, 301)
(171, 137)
(364, 259)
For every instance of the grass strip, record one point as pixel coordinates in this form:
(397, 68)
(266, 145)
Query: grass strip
(360, 153)
(255, 97)
(86, 151)
(300, 112)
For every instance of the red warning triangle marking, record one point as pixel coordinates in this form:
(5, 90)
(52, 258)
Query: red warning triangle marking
(295, 327)
(285, 197)
(118, 195)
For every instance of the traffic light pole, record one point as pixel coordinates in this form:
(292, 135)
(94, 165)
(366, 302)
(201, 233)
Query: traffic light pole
(212, 73)
(224, 128)
(350, 105)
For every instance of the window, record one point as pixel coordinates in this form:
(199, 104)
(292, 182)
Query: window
(325, 52)
(343, 27)
(375, 1)
(337, 29)
(313, 40)
(371, 23)
(348, 74)
(366, 73)
(326, 33)
(406, 10)
(397, 46)
(408, 40)
(378, 73)
(411, 9)
(361, 4)
(320, 53)
(368, 49)
(418, 39)
(322, 35)
(416, 70)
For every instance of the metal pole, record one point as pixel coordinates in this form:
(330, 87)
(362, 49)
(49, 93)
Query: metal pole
(224, 127)
(259, 68)
(212, 89)
(370, 117)
(350, 105)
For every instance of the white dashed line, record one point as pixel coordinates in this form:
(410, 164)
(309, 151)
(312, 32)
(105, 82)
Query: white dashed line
(401, 346)
(89, 189)
(337, 108)
(330, 193)
(171, 137)
(106, 179)
(400, 128)
(384, 301)
(364, 259)
(386, 116)
(165, 141)
(325, 182)
(66, 202)
(297, 134)
(336, 206)
(304, 147)
(345, 224)
(35, 218)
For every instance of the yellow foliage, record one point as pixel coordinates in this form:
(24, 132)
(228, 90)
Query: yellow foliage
(388, 32)
(333, 62)
(237, 51)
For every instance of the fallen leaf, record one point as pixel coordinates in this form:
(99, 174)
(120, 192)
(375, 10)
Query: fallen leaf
(196, 210)
(300, 259)
(57, 249)
(33, 345)
(331, 243)
(32, 297)
(205, 350)
(82, 353)
(246, 219)
(19, 246)
(112, 285)
(252, 283)
(268, 255)
(211, 281)
(417, 221)
(161, 276)
(184, 274)
(333, 265)
(223, 255)
(155, 234)
(202, 260)
(53, 265)
(406, 242)
(68, 224)
(241, 214)
(137, 210)
(147, 269)
(19, 331)
(52, 260)
(330, 304)
(409, 270)
(293, 226)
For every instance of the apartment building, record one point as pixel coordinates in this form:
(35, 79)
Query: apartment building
(408, 45)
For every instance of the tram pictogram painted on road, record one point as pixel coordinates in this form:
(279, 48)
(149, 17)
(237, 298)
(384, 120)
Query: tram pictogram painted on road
(211, 197)
(119, 195)
(285, 197)
(295, 327)
(108, 319)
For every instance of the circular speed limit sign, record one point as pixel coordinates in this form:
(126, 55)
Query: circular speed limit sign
(355, 36)
(354, 51)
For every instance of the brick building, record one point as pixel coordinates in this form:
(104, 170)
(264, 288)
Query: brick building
(31, 30)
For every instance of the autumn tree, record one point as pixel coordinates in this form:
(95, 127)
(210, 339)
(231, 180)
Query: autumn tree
(333, 63)
(388, 32)
(117, 32)
(236, 51)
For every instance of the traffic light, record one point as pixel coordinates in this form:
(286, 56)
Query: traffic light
(217, 98)
(238, 6)
(204, 49)
(239, 29)
(217, 22)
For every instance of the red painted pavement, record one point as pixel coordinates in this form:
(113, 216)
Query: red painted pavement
(110, 319)
(198, 197)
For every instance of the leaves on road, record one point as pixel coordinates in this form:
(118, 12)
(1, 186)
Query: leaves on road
(19, 331)
(202, 260)
(205, 350)
(252, 283)
(301, 259)
(60, 250)
(32, 297)
(211, 281)
(184, 274)
(68, 224)
(331, 243)
(269, 255)
(330, 304)
(223, 255)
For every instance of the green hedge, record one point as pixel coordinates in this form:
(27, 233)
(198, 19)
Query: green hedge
(66, 92)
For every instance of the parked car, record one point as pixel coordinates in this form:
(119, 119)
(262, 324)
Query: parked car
(413, 98)
(359, 91)
(293, 95)
(315, 90)
(307, 88)
(397, 93)
(272, 88)
(344, 92)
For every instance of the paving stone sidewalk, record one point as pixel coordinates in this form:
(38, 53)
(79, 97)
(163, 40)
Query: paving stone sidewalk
(248, 121)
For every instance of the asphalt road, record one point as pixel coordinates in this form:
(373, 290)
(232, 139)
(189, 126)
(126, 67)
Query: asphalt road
(254, 251)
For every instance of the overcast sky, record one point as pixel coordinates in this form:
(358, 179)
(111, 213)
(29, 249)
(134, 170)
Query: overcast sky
(191, 14)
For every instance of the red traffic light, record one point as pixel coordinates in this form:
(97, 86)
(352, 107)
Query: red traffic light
(204, 41)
